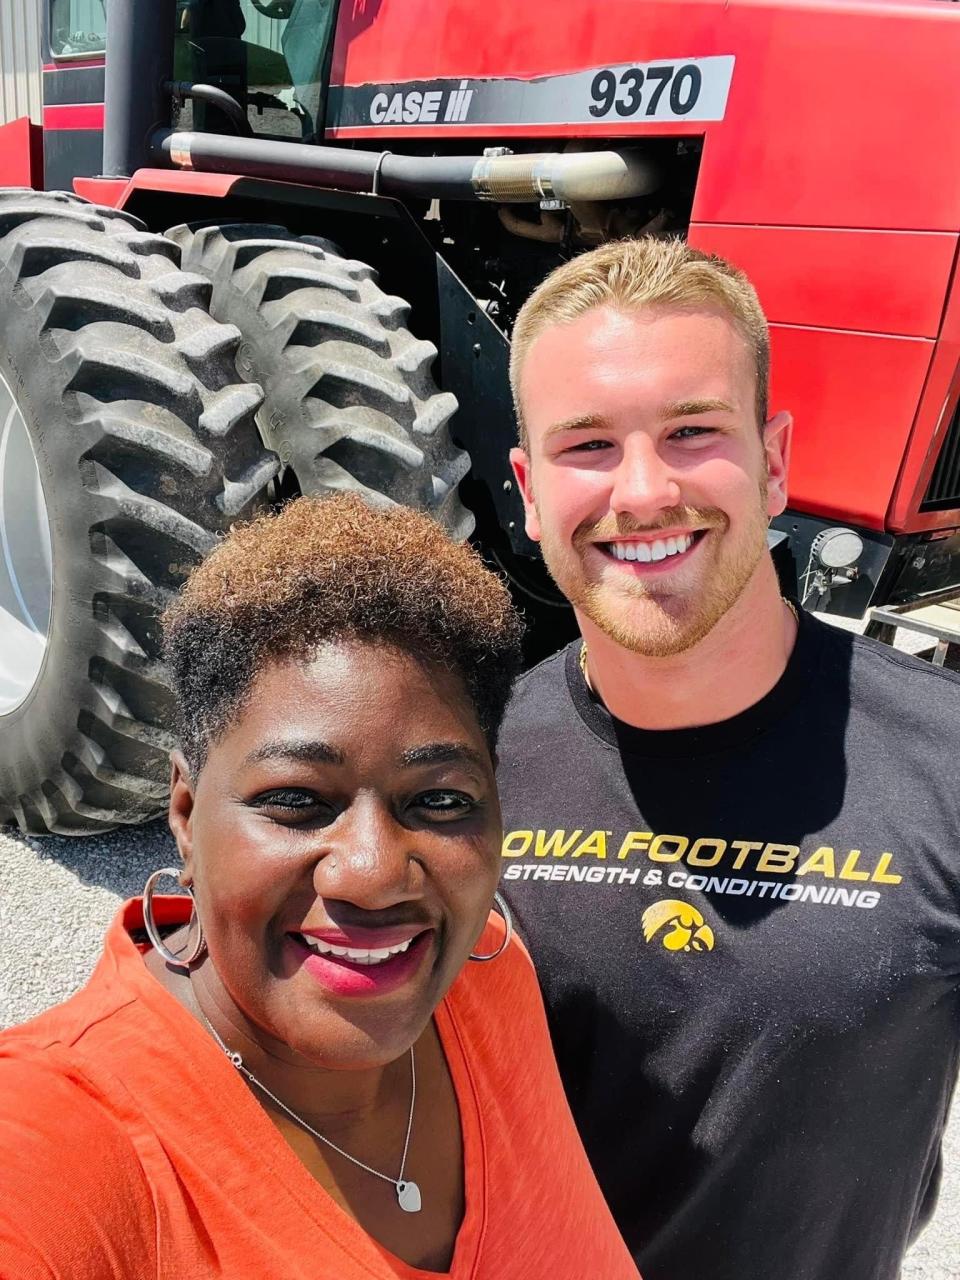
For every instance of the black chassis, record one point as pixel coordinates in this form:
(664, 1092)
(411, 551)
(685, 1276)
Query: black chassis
(893, 569)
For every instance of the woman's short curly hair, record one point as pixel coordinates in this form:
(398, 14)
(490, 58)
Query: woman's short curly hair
(327, 569)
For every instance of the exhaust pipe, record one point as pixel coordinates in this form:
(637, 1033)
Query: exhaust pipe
(513, 179)
(566, 176)
(139, 62)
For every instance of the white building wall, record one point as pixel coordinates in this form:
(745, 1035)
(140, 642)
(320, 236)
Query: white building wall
(19, 60)
(260, 29)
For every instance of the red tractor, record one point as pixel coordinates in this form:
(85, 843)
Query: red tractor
(235, 208)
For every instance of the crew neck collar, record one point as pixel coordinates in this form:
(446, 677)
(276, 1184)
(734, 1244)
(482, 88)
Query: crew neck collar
(801, 669)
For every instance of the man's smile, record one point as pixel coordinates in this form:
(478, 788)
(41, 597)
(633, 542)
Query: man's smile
(653, 552)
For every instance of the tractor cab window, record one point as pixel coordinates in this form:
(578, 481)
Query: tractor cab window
(271, 55)
(77, 27)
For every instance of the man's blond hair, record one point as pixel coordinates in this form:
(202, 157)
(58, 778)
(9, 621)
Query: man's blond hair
(630, 274)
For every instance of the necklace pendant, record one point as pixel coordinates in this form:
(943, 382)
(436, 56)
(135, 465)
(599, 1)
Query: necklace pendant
(408, 1197)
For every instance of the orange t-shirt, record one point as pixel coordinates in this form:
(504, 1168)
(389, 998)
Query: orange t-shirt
(129, 1146)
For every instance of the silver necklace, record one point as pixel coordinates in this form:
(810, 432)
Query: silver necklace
(408, 1193)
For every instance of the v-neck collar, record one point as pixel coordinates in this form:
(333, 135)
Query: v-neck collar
(264, 1147)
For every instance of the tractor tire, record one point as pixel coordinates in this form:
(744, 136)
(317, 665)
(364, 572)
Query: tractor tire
(350, 402)
(127, 445)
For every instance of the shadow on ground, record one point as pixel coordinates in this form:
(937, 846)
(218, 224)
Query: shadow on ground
(118, 861)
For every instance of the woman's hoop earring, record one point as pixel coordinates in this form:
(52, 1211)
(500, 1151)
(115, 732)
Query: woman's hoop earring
(507, 934)
(153, 933)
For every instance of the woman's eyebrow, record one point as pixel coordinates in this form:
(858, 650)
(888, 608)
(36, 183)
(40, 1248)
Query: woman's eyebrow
(309, 751)
(442, 753)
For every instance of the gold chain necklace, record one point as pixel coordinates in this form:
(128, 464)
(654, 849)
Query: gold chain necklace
(583, 644)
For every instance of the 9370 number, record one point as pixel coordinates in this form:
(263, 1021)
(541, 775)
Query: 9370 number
(638, 91)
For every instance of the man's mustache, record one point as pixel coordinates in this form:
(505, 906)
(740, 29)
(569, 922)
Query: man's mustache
(623, 526)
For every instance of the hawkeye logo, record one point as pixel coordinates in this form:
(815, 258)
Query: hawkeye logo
(688, 931)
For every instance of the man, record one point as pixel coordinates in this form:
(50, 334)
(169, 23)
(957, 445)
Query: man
(731, 831)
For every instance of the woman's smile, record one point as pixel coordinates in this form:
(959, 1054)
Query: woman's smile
(350, 970)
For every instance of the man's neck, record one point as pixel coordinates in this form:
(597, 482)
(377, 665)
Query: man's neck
(729, 670)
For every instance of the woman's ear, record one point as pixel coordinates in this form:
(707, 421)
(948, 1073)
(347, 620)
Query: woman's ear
(180, 812)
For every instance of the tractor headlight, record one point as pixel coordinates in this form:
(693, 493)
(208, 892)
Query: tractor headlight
(837, 548)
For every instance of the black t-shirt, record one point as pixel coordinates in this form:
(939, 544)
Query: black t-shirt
(747, 938)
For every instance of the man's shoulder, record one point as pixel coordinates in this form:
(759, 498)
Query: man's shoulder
(549, 672)
(900, 714)
(540, 694)
(885, 676)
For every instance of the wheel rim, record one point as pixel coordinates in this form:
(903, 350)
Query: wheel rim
(26, 562)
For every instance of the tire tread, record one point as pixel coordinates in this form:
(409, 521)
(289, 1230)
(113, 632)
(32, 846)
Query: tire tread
(169, 456)
(350, 396)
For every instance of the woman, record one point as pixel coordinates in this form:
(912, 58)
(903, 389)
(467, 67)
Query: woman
(306, 1077)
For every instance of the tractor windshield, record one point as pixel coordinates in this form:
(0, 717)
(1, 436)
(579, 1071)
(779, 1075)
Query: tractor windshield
(77, 28)
(271, 55)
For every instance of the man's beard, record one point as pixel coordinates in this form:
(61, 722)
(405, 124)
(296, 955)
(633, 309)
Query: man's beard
(644, 616)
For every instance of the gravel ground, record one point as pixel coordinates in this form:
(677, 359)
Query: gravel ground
(58, 895)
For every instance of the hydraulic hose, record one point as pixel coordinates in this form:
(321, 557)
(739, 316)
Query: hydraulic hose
(587, 175)
(215, 97)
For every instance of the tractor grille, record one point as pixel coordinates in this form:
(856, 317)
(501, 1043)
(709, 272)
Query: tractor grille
(944, 488)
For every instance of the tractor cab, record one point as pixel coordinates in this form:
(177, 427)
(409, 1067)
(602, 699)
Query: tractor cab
(271, 56)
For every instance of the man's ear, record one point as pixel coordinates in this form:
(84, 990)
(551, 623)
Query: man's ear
(777, 436)
(180, 812)
(520, 461)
